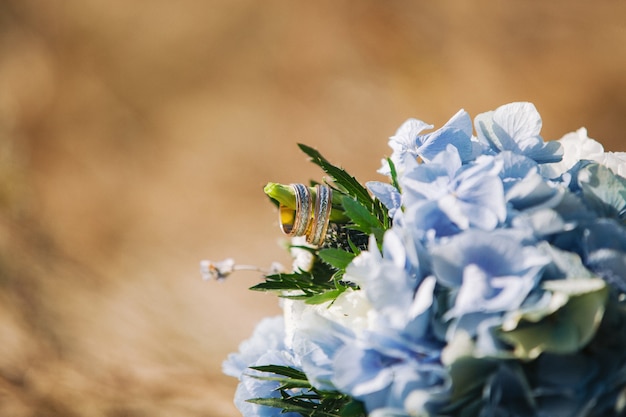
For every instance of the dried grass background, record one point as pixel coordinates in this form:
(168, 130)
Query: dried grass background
(135, 138)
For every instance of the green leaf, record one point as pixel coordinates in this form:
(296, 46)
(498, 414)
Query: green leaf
(324, 297)
(286, 405)
(564, 326)
(394, 174)
(355, 249)
(336, 258)
(339, 175)
(349, 185)
(317, 281)
(298, 396)
(352, 408)
(285, 383)
(360, 215)
(287, 371)
(363, 219)
(323, 405)
(468, 374)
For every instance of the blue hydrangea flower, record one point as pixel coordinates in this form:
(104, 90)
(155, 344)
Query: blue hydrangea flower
(487, 273)
(316, 344)
(387, 194)
(515, 168)
(396, 354)
(409, 144)
(604, 246)
(383, 375)
(265, 347)
(515, 127)
(393, 282)
(269, 335)
(498, 289)
(465, 196)
(251, 387)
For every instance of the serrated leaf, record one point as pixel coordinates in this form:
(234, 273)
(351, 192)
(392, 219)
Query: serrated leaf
(339, 175)
(363, 220)
(286, 405)
(360, 215)
(324, 297)
(317, 281)
(313, 403)
(336, 258)
(285, 383)
(287, 371)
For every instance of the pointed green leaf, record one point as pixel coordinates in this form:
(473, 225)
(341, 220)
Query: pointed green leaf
(339, 175)
(394, 174)
(353, 247)
(281, 370)
(284, 404)
(337, 258)
(360, 215)
(324, 297)
(352, 408)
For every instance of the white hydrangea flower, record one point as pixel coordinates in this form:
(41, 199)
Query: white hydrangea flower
(350, 309)
(615, 161)
(576, 146)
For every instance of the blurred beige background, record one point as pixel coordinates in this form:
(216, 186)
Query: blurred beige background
(135, 138)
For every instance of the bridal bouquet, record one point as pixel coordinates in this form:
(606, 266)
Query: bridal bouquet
(485, 277)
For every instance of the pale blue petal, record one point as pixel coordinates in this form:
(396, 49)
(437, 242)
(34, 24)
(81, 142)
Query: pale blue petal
(515, 127)
(456, 132)
(387, 194)
(316, 344)
(518, 120)
(361, 372)
(269, 335)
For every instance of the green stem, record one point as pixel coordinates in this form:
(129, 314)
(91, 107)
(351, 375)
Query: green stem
(285, 195)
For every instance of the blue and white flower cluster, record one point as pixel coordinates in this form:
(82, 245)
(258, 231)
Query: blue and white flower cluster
(499, 289)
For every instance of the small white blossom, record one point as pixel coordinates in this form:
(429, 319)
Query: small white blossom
(217, 270)
(222, 269)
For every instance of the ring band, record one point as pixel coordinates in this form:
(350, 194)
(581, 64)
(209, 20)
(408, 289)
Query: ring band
(296, 222)
(323, 206)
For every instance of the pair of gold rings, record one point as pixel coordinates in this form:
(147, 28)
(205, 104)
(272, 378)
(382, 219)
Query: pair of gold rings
(306, 220)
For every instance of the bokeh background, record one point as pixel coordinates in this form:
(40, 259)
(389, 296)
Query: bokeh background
(136, 137)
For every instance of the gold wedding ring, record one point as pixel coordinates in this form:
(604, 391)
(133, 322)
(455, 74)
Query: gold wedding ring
(296, 222)
(323, 206)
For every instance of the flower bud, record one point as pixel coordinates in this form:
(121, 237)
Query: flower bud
(285, 195)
